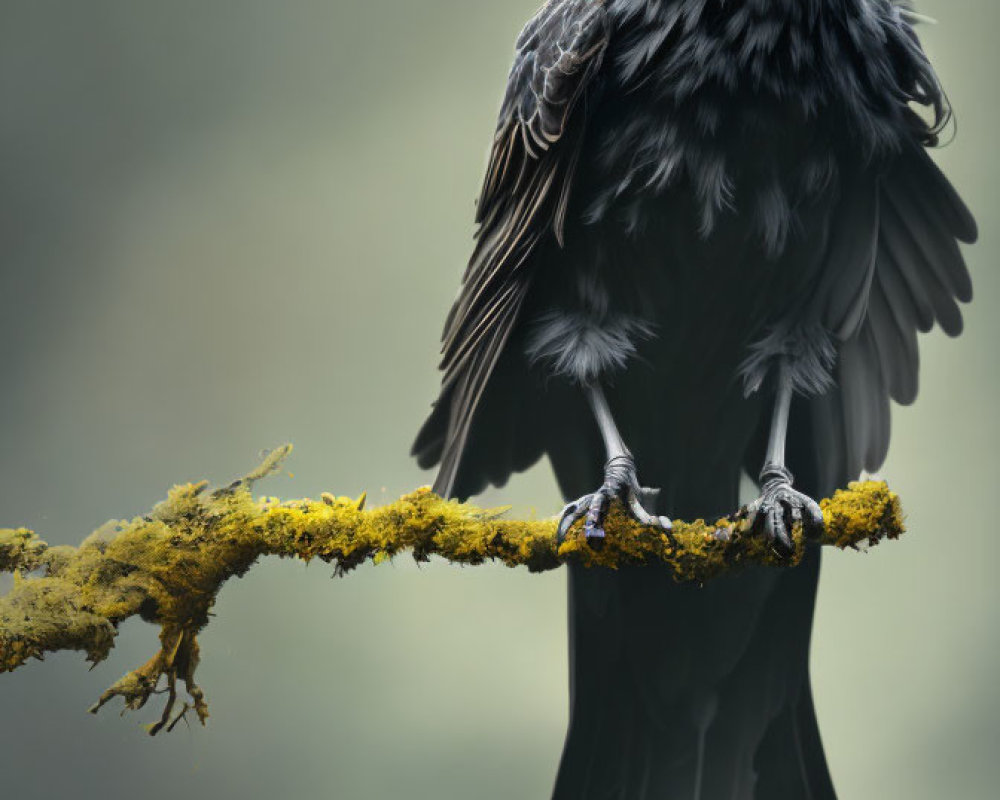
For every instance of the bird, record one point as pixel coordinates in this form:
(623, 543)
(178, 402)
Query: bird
(708, 236)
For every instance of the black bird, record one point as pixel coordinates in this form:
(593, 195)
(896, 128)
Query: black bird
(716, 224)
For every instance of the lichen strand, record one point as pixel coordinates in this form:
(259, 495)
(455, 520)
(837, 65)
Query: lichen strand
(46, 615)
(20, 549)
(865, 515)
(177, 658)
(169, 565)
(695, 551)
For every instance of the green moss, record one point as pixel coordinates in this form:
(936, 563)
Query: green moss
(20, 549)
(169, 565)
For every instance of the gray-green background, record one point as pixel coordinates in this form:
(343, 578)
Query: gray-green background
(224, 225)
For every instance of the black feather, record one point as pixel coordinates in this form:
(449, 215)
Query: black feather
(679, 189)
(523, 201)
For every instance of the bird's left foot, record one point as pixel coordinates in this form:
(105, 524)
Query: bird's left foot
(621, 481)
(780, 506)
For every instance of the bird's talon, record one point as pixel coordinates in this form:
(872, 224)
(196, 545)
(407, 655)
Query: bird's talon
(780, 507)
(620, 482)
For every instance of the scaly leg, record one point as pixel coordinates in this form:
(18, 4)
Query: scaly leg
(620, 480)
(779, 505)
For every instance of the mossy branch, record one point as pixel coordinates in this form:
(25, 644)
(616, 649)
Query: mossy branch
(169, 565)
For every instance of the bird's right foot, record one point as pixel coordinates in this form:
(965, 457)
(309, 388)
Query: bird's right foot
(621, 481)
(780, 507)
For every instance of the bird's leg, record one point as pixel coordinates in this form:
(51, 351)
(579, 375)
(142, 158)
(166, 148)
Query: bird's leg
(779, 505)
(620, 480)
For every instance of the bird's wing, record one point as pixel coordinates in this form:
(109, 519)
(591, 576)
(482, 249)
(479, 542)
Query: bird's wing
(524, 199)
(916, 277)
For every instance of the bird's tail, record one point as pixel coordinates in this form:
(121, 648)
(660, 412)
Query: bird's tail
(679, 691)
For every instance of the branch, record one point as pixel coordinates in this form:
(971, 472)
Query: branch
(168, 566)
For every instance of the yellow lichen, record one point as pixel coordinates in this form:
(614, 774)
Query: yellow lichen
(169, 565)
(868, 513)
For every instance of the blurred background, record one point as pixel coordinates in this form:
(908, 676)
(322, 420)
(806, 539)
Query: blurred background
(225, 225)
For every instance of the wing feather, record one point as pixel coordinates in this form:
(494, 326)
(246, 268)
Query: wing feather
(896, 344)
(850, 263)
(919, 278)
(524, 199)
